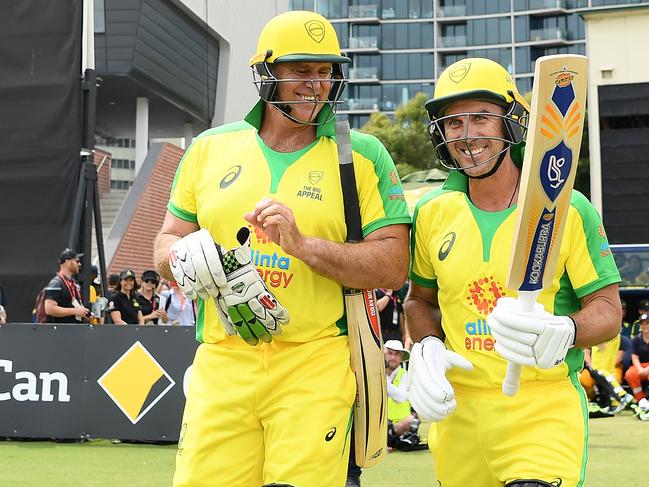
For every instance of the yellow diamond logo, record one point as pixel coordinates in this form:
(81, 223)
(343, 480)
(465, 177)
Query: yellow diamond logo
(136, 382)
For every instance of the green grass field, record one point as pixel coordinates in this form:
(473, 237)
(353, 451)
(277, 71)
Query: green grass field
(617, 458)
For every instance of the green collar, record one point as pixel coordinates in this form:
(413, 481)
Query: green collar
(327, 130)
(456, 181)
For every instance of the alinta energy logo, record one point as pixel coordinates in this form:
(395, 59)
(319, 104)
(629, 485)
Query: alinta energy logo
(482, 296)
(273, 268)
(136, 382)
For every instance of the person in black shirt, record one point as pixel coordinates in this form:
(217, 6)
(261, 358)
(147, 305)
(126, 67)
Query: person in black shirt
(386, 301)
(150, 300)
(123, 307)
(63, 303)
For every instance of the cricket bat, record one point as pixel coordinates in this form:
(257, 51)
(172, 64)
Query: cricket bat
(552, 147)
(363, 327)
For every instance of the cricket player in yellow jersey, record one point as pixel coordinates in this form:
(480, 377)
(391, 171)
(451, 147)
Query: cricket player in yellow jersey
(255, 230)
(459, 311)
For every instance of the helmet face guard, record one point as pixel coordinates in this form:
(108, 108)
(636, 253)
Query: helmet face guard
(267, 83)
(514, 124)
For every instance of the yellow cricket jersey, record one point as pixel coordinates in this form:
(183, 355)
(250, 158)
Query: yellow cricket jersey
(228, 170)
(603, 355)
(465, 253)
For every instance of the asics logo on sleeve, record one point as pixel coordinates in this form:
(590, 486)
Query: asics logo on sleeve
(447, 245)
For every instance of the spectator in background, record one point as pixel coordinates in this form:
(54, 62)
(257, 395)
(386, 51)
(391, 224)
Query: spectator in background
(3, 305)
(625, 339)
(113, 281)
(150, 300)
(632, 271)
(179, 309)
(63, 303)
(386, 302)
(401, 419)
(123, 307)
(638, 373)
(95, 282)
(601, 378)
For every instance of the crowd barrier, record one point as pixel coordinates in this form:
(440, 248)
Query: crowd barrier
(84, 381)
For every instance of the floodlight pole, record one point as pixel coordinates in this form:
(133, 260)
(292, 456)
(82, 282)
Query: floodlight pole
(87, 198)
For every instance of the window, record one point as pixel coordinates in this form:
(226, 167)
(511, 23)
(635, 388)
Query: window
(301, 5)
(488, 31)
(120, 184)
(99, 17)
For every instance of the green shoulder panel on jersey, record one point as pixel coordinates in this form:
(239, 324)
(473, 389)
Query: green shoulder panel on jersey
(392, 197)
(199, 140)
(424, 201)
(597, 243)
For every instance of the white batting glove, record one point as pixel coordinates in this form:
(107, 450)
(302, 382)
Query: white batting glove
(253, 311)
(534, 338)
(430, 393)
(196, 265)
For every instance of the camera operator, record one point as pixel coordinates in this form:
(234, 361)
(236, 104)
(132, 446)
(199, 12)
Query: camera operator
(403, 422)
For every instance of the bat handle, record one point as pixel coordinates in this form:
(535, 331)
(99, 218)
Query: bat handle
(525, 301)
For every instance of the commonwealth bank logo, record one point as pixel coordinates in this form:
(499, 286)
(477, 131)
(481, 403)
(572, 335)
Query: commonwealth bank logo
(136, 382)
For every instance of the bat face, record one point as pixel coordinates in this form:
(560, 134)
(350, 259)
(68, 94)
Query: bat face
(549, 168)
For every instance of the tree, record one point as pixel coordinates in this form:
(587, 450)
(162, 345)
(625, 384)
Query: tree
(406, 137)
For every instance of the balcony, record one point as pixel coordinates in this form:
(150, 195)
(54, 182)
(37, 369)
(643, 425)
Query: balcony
(387, 13)
(364, 74)
(366, 12)
(452, 11)
(361, 104)
(549, 34)
(452, 41)
(548, 5)
(367, 43)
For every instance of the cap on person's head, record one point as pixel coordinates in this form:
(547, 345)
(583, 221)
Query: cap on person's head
(644, 304)
(151, 275)
(644, 317)
(69, 254)
(126, 273)
(94, 269)
(397, 346)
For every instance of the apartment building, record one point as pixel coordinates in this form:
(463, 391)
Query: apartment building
(399, 47)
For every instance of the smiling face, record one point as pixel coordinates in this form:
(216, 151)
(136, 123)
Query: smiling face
(306, 83)
(127, 284)
(393, 358)
(472, 129)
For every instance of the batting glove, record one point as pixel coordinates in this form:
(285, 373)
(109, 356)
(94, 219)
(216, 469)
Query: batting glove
(534, 338)
(430, 393)
(253, 310)
(196, 265)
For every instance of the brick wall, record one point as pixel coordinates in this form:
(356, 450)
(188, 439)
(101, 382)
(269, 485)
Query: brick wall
(103, 176)
(135, 250)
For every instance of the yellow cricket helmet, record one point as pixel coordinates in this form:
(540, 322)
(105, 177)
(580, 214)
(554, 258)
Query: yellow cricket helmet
(477, 79)
(298, 36)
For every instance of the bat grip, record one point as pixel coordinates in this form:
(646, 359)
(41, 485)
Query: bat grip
(526, 301)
